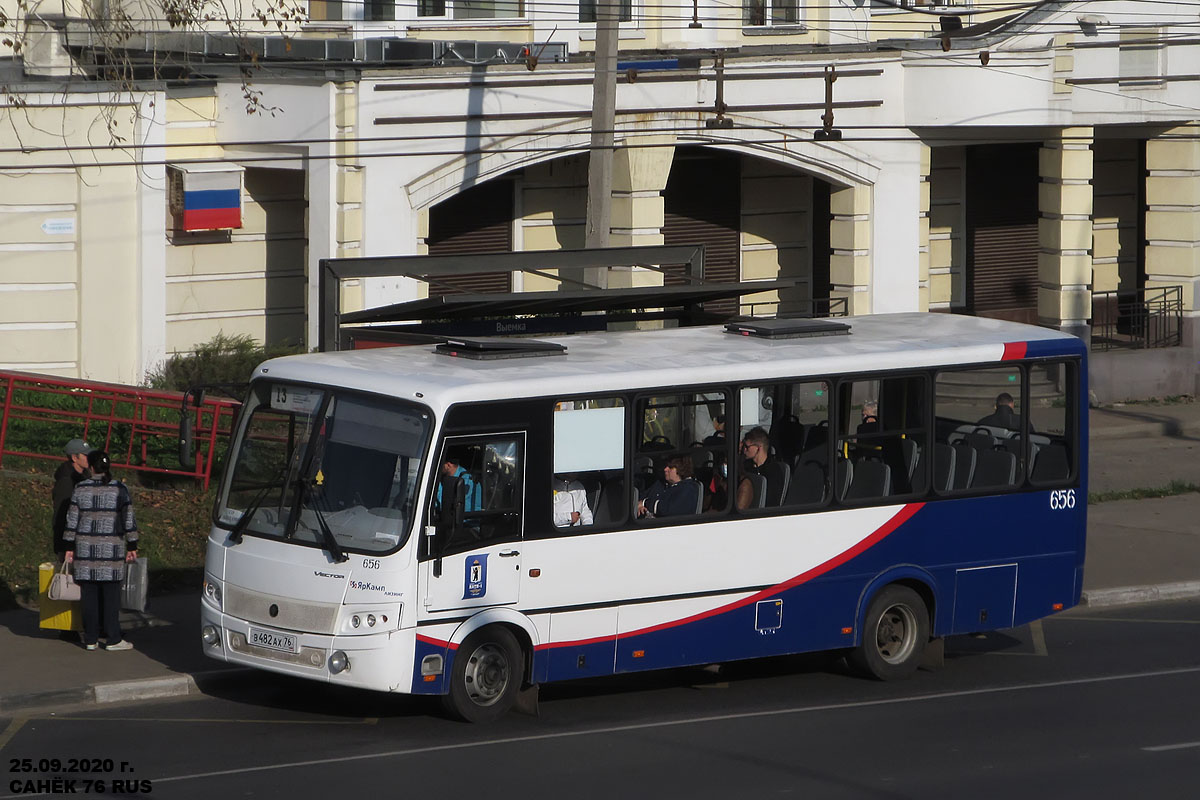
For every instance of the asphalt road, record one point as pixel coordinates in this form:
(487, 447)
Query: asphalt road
(1087, 704)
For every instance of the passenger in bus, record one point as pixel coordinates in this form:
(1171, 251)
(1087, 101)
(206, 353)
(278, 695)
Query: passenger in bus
(471, 489)
(758, 461)
(870, 418)
(677, 494)
(1004, 416)
(717, 496)
(570, 503)
(717, 437)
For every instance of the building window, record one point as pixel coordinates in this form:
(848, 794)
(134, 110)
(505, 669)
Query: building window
(770, 12)
(472, 9)
(587, 10)
(1143, 57)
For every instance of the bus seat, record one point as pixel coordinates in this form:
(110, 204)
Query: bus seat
(759, 484)
(607, 510)
(1052, 464)
(843, 474)
(964, 466)
(777, 473)
(699, 495)
(788, 438)
(944, 457)
(807, 485)
(994, 468)
(910, 452)
(816, 436)
(871, 479)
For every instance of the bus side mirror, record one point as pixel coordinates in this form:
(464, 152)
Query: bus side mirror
(187, 451)
(187, 454)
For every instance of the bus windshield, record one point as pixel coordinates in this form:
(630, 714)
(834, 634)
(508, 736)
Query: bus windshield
(313, 462)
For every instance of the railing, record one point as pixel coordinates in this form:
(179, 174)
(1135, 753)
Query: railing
(1142, 319)
(816, 308)
(138, 427)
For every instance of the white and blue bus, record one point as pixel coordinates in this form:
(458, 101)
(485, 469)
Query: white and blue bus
(474, 519)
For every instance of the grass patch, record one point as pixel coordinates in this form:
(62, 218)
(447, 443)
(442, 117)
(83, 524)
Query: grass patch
(1170, 490)
(173, 525)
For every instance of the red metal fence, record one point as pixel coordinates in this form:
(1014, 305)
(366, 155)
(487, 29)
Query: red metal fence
(138, 427)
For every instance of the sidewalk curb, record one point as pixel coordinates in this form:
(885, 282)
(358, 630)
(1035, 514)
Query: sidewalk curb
(1134, 428)
(1133, 595)
(124, 691)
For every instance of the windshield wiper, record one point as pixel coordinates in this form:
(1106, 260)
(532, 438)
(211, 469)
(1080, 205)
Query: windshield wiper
(335, 550)
(239, 527)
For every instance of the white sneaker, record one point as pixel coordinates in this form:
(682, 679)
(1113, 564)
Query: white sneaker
(121, 645)
(89, 646)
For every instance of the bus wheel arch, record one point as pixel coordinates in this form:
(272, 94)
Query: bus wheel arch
(895, 630)
(486, 675)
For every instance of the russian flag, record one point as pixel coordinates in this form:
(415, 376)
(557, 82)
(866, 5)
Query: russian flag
(212, 200)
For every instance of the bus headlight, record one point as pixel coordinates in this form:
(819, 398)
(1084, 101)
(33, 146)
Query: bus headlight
(212, 591)
(339, 662)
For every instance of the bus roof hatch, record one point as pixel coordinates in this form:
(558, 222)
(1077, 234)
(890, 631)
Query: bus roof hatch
(788, 328)
(489, 349)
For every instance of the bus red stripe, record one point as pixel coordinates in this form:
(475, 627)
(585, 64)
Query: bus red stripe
(1014, 350)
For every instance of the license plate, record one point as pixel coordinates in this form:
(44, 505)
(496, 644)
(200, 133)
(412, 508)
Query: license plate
(272, 640)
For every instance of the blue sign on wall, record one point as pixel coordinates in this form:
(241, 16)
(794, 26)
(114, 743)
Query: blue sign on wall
(475, 579)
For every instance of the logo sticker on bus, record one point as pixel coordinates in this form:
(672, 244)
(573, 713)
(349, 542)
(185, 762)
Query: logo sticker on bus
(475, 579)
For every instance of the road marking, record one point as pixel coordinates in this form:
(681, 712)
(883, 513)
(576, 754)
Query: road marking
(412, 751)
(1162, 748)
(1131, 619)
(194, 720)
(11, 730)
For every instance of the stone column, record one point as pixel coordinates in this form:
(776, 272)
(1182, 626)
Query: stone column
(1065, 232)
(1173, 220)
(923, 230)
(640, 171)
(850, 241)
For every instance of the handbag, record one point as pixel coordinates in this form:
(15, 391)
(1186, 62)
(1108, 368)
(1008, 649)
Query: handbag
(63, 586)
(135, 584)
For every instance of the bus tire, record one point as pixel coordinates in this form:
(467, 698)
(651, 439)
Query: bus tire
(486, 677)
(895, 631)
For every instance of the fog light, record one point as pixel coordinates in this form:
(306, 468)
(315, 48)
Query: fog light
(371, 620)
(210, 636)
(339, 662)
(355, 621)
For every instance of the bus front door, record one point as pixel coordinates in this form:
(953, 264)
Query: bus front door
(476, 561)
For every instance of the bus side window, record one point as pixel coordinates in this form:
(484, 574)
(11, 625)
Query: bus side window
(1053, 437)
(588, 481)
(486, 475)
(979, 442)
(882, 436)
(681, 450)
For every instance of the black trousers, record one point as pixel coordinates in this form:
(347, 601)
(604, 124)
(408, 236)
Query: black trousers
(101, 601)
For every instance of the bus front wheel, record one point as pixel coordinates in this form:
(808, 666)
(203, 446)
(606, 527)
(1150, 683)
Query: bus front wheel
(895, 632)
(486, 676)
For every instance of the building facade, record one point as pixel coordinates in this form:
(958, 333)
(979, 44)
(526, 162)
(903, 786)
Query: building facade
(1038, 163)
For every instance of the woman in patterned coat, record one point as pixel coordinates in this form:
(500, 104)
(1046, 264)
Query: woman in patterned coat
(103, 537)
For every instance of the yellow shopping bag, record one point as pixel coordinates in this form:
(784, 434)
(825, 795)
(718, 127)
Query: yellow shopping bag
(55, 615)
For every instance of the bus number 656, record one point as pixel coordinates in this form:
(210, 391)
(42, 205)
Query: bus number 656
(1062, 498)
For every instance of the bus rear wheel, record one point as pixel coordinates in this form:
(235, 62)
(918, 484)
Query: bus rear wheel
(895, 632)
(486, 676)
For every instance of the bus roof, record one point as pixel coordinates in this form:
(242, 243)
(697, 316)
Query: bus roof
(615, 361)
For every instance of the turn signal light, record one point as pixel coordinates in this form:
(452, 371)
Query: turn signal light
(639, 653)
(847, 631)
(1057, 607)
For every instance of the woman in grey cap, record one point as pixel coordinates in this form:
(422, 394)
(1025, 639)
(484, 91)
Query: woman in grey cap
(103, 537)
(69, 473)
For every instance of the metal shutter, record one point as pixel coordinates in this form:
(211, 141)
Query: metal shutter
(478, 220)
(1002, 231)
(703, 205)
